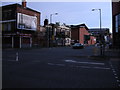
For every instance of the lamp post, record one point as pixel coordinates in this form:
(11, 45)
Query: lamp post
(51, 17)
(52, 35)
(101, 51)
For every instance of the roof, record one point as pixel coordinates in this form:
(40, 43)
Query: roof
(98, 29)
(16, 4)
(79, 26)
(63, 27)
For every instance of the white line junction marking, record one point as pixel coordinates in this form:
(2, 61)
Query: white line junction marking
(93, 67)
(73, 61)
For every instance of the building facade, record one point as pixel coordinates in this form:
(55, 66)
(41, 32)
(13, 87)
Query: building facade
(116, 23)
(104, 32)
(63, 35)
(19, 23)
(80, 34)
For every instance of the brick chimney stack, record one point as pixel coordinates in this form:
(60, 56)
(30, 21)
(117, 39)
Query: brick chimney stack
(24, 3)
(45, 22)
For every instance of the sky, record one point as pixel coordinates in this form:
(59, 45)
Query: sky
(74, 13)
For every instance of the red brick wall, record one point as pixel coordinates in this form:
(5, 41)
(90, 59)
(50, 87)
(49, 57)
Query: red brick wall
(75, 34)
(78, 34)
(82, 32)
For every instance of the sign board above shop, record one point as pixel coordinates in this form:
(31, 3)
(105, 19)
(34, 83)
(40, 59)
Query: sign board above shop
(26, 22)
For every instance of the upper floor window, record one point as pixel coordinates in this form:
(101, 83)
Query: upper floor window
(6, 26)
(7, 14)
(117, 23)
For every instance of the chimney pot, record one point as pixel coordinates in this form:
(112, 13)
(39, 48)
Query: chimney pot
(24, 3)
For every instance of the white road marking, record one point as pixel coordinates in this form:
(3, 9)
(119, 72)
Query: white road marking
(93, 67)
(56, 64)
(51, 64)
(118, 81)
(114, 72)
(79, 66)
(13, 60)
(73, 61)
(116, 77)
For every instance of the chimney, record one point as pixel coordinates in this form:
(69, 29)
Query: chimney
(45, 22)
(24, 3)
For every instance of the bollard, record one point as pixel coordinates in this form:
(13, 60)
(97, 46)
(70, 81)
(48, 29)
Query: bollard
(16, 56)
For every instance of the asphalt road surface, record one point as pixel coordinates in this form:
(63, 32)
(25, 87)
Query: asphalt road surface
(59, 67)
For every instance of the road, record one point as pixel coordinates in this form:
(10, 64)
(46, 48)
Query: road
(59, 67)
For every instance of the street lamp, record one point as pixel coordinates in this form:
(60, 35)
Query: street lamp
(101, 51)
(51, 17)
(51, 28)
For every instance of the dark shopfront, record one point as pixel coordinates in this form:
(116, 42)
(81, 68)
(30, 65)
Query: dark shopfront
(17, 41)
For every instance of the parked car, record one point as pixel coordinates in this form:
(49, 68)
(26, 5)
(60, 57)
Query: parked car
(78, 46)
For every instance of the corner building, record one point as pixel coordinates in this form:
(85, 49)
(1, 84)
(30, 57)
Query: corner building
(19, 23)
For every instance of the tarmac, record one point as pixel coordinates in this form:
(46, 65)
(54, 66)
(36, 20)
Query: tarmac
(113, 55)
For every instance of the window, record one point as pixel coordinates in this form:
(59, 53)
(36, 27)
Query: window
(9, 26)
(6, 26)
(117, 23)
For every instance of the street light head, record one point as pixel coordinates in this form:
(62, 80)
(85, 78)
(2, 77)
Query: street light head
(93, 9)
(56, 13)
(96, 9)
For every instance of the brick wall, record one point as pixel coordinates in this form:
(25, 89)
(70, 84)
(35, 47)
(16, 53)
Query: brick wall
(82, 32)
(75, 34)
(78, 33)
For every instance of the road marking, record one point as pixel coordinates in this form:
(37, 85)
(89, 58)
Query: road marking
(114, 72)
(93, 67)
(13, 60)
(56, 64)
(79, 66)
(116, 77)
(73, 61)
(118, 80)
(51, 64)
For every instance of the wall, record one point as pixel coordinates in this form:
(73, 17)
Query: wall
(82, 32)
(115, 11)
(74, 34)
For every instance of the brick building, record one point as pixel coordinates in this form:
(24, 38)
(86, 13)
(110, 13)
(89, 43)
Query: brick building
(19, 23)
(116, 23)
(80, 34)
(97, 32)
